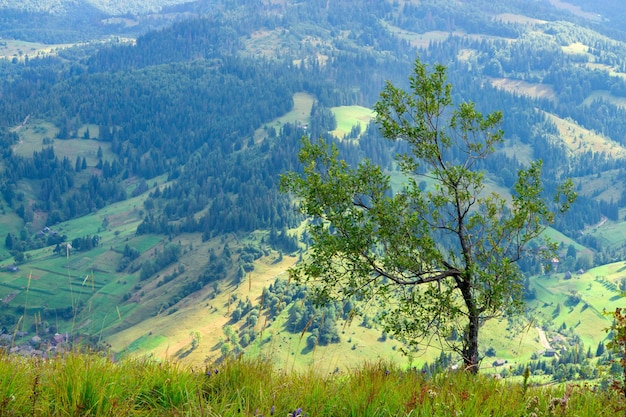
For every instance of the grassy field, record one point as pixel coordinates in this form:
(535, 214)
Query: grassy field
(34, 134)
(519, 19)
(536, 90)
(75, 384)
(605, 95)
(576, 137)
(419, 40)
(350, 116)
(11, 48)
(575, 10)
(581, 300)
(299, 115)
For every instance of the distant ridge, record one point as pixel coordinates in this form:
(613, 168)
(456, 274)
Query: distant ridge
(112, 7)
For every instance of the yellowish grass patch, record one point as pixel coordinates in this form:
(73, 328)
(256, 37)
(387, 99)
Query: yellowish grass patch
(517, 18)
(575, 48)
(524, 88)
(420, 40)
(299, 114)
(575, 10)
(350, 116)
(607, 96)
(199, 314)
(579, 139)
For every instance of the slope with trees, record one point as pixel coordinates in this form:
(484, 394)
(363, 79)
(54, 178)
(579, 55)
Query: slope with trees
(185, 123)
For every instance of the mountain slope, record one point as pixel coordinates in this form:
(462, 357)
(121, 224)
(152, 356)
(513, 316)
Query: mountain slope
(157, 160)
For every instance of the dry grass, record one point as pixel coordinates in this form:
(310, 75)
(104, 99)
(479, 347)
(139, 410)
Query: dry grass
(575, 10)
(579, 139)
(300, 114)
(199, 313)
(534, 90)
(517, 18)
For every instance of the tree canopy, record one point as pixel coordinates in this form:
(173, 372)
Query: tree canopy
(440, 250)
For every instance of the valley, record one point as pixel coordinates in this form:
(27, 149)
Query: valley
(158, 160)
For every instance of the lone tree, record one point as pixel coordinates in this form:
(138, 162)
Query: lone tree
(442, 259)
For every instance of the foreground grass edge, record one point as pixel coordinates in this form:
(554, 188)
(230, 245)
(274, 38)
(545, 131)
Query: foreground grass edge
(78, 384)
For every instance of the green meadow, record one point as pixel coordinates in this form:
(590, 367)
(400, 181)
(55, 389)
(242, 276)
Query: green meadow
(350, 116)
(299, 115)
(575, 305)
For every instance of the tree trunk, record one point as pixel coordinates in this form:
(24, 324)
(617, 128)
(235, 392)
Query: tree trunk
(470, 338)
(470, 348)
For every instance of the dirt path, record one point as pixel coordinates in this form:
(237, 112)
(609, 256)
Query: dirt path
(543, 338)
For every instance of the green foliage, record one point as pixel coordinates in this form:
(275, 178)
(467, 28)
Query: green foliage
(169, 255)
(441, 258)
(617, 345)
(283, 241)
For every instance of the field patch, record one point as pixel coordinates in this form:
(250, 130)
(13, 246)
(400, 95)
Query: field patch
(534, 90)
(575, 10)
(576, 304)
(19, 50)
(349, 117)
(517, 18)
(146, 342)
(611, 234)
(523, 152)
(576, 48)
(127, 22)
(579, 139)
(420, 40)
(607, 96)
(35, 136)
(299, 115)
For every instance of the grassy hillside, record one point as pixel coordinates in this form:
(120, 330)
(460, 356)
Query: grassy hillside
(136, 317)
(87, 292)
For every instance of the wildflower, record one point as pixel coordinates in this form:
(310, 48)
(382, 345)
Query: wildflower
(553, 404)
(297, 412)
(272, 410)
(532, 403)
(432, 393)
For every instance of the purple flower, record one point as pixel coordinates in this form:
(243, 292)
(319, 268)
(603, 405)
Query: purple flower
(272, 410)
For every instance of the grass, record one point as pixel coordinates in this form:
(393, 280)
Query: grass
(90, 384)
(517, 18)
(534, 90)
(607, 96)
(578, 139)
(299, 115)
(32, 139)
(575, 10)
(350, 116)
(596, 288)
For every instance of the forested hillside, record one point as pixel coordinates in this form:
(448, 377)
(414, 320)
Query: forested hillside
(157, 160)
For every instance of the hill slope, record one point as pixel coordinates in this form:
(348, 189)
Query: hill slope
(157, 161)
